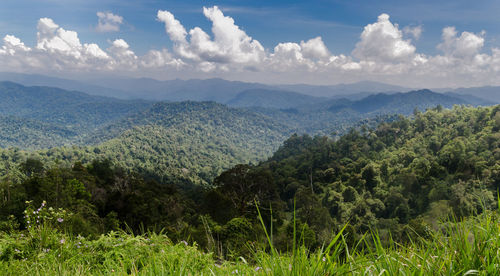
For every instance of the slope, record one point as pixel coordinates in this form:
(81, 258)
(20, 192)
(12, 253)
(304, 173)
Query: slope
(272, 99)
(75, 114)
(186, 143)
(399, 178)
(339, 115)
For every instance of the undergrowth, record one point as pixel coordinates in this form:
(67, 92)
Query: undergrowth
(469, 247)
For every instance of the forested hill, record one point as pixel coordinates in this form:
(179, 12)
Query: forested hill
(193, 140)
(408, 172)
(75, 110)
(42, 117)
(403, 103)
(190, 142)
(272, 99)
(339, 115)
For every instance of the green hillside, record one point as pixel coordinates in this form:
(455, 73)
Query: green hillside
(411, 172)
(63, 117)
(31, 134)
(193, 140)
(272, 99)
(190, 141)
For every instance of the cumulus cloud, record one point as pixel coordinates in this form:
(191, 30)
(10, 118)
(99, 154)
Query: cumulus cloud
(12, 45)
(315, 49)
(108, 22)
(383, 41)
(384, 52)
(465, 45)
(230, 44)
(63, 44)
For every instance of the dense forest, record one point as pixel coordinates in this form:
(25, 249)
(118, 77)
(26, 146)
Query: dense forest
(189, 141)
(400, 178)
(40, 117)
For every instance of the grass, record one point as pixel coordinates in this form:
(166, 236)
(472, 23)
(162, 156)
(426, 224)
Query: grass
(469, 247)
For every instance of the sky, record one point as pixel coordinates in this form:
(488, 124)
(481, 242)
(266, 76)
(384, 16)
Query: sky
(448, 43)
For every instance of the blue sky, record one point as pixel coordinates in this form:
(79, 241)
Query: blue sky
(339, 23)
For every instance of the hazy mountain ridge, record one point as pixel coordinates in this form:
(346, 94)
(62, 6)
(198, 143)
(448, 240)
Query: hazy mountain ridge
(223, 91)
(272, 99)
(489, 93)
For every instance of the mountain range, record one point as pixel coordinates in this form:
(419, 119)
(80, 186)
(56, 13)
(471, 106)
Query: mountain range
(191, 140)
(224, 91)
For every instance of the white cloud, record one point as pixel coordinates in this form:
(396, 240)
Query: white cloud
(12, 45)
(384, 52)
(123, 57)
(383, 41)
(415, 31)
(315, 49)
(108, 22)
(65, 45)
(173, 27)
(229, 46)
(465, 45)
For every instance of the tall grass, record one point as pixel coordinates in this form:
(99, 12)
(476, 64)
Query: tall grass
(469, 247)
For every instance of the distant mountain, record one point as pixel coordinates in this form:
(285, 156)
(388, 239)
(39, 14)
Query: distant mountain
(353, 91)
(66, 84)
(217, 90)
(404, 103)
(339, 115)
(488, 93)
(473, 100)
(272, 99)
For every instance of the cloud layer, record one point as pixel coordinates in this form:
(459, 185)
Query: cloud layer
(384, 52)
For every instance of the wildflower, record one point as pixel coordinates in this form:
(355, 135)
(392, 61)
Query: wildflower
(258, 268)
(324, 259)
(60, 220)
(62, 241)
(185, 243)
